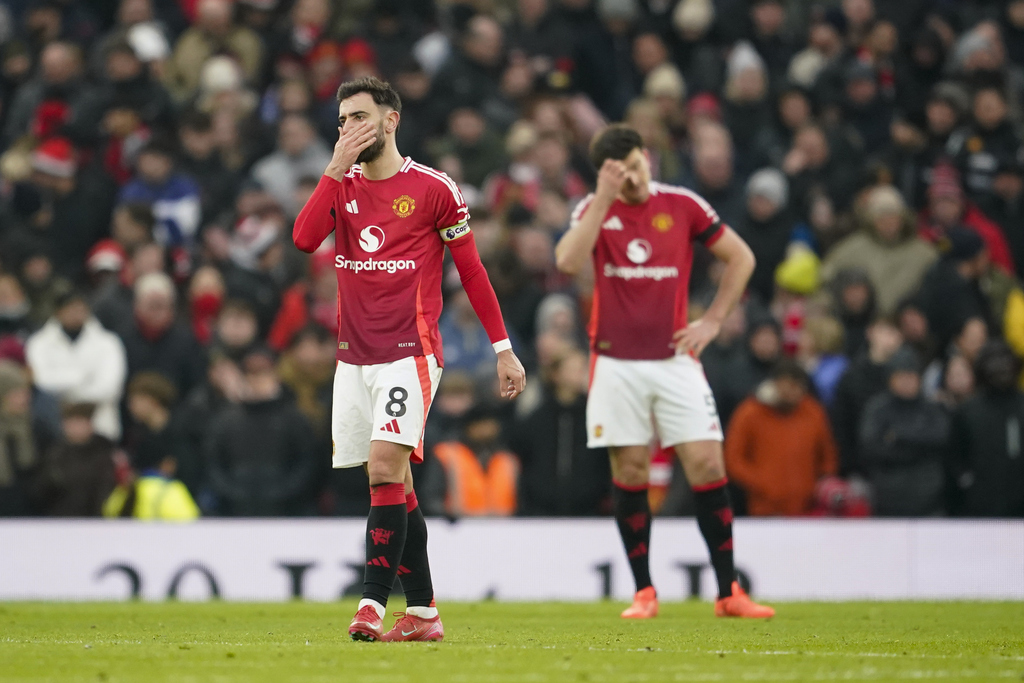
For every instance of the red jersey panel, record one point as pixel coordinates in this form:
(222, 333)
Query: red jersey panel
(389, 243)
(642, 265)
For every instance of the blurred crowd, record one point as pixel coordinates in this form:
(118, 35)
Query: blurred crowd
(166, 351)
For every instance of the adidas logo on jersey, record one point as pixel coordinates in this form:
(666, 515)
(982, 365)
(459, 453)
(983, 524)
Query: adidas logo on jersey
(391, 427)
(613, 223)
(352, 207)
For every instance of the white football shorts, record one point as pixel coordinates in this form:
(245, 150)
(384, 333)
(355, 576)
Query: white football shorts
(631, 401)
(383, 402)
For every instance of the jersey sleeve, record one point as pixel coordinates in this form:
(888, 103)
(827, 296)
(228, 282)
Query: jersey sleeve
(581, 208)
(705, 225)
(317, 218)
(450, 210)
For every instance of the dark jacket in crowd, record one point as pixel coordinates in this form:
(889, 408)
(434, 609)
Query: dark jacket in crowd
(987, 459)
(862, 380)
(902, 454)
(176, 355)
(768, 239)
(261, 459)
(74, 481)
(560, 476)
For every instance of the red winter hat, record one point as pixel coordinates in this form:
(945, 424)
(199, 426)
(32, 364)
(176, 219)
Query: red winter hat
(945, 182)
(704, 104)
(106, 255)
(55, 157)
(12, 349)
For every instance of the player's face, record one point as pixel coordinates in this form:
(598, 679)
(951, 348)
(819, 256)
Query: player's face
(638, 174)
(360, 109)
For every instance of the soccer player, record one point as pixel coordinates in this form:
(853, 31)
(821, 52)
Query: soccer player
(645, 376)
(391, 218)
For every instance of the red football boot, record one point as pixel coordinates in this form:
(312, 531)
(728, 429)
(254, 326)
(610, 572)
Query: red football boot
(366, 625)
(739, 604)
(410, 628)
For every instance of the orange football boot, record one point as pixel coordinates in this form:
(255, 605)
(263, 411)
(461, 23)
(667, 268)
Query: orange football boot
(645, 605)
(739, 604)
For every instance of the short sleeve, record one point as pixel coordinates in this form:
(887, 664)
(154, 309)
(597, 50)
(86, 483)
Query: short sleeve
(452, 214)
(705, 225)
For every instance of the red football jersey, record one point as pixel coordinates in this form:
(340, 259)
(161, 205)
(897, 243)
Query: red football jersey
(642, 265)
(389, 243)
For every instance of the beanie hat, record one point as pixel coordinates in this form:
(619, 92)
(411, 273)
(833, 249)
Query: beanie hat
(904, 360)
(106, 256)
(665, 81)
(884, 200)
(55, 157)
(693, 16)
(11, 349)
(704, 104)
(800, 272)
(771, 184)
(945, 182)
(743, 58)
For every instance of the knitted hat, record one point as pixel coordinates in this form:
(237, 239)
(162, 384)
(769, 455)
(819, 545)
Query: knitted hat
(106, 256)
(11, 349)
(693, 16)
(904, 360)
(665, 81)
(800, 272)
(771, 184)
(884, 200)
(704, 104)
(55, 157)
(945, 182)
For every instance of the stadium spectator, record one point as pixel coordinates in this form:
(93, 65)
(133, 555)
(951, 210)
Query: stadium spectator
(478, 476)
(77, 360)
(988, 139)
(820, 353)
(853, 302)
(172, 195)
(19, 456)
(560, 476)
(259, 451)
(986, 464)
(903, 442)
(149, 441)
(77, 473)
(885, 248)
(767, 227)
(948, 209)
(155, 341)
(779, 444)
(762, 348)
(299, 153)
(45, 104)
(213, 33)
(865, 377)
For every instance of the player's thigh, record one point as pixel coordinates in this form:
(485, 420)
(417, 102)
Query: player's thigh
(389, 464)
(401, 393)
(619, 404)
(351, 417)
(684, 407)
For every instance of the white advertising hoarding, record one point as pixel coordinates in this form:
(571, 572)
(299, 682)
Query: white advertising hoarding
(514, 559)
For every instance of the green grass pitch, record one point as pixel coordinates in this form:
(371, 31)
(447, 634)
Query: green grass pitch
(499, 642)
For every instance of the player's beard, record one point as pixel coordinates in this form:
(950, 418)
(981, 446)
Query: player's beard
(373, 152)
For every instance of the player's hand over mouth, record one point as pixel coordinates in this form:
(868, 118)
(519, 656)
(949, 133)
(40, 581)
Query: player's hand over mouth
(511, 375)
(346, 150)
(696, 336)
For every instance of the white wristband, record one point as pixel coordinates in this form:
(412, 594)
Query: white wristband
(503, 345)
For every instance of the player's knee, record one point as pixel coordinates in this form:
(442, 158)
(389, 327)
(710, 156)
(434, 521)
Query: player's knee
(388, 466)
(630, 472)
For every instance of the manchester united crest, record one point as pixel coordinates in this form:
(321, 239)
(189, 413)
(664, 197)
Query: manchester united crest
(404, 206)
(662, 222)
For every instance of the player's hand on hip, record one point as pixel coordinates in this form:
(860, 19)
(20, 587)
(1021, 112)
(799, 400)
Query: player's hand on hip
(511, 375)
(348, 147)
(610, 179)
(695, 337)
